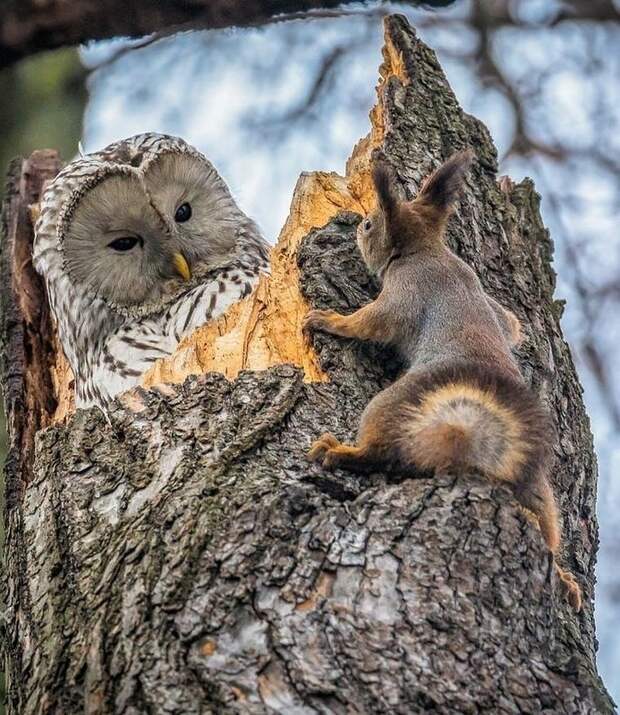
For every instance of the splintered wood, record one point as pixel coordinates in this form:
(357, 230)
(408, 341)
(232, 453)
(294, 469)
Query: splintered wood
(265, 329)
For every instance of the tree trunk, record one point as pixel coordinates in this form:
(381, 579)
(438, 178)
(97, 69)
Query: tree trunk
(184, 557)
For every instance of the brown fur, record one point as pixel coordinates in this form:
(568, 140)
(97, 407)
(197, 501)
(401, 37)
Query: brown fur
(365, 324)
(462, 404)
(442, 446)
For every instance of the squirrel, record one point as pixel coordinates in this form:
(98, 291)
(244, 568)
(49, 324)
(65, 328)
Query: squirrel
(462, 402)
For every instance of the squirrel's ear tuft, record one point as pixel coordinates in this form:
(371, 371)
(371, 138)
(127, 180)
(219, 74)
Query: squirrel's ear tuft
(443, 186)
(384, 186)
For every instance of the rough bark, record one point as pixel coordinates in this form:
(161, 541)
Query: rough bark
(185, 558)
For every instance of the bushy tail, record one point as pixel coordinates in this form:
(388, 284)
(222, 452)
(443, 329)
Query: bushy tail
(461, 425)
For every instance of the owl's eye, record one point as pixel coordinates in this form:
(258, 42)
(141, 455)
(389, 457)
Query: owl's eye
(367, 225)
(183, 213)
(126, 243)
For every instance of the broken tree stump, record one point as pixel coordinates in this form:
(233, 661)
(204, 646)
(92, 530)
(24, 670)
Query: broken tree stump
(186, 558)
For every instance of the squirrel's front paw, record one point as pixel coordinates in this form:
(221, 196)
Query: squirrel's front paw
(318, 320)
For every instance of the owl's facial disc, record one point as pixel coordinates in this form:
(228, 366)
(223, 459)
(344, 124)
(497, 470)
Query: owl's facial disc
(119, 246)
(195, 201)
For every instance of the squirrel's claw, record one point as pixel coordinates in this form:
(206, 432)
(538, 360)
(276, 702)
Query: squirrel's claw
(317, 320)
(573, 591)
(321, 446)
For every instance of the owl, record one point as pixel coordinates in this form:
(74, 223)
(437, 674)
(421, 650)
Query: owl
(139, 244)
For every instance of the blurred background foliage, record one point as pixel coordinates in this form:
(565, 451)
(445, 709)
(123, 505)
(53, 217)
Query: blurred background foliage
(267, 103)
(43, 101)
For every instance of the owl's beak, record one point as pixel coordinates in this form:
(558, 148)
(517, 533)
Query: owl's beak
(181, 266)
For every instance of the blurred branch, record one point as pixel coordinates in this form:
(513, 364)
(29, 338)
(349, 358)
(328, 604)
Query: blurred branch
(482, 22)
(589, 298)
(31, 26)
(325, 71)
(505, 12)
(323, 77)
(290, 17)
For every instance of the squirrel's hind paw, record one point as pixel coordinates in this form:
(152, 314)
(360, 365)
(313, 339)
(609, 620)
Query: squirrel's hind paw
(321, 446)
(572, 588)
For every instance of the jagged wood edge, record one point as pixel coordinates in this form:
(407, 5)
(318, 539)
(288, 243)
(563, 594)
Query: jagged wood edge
(343, 363)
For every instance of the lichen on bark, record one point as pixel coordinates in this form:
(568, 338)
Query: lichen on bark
(184, 557)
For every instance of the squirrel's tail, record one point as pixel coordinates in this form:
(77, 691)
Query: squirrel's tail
(462, 425)
(468, 417)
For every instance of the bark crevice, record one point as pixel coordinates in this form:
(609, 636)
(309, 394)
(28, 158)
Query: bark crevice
(184, 557)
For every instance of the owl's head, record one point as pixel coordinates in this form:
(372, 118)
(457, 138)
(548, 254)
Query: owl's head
(144, 220)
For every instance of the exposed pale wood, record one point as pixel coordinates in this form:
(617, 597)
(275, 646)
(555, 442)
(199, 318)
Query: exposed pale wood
(265, 329)
(183, 557)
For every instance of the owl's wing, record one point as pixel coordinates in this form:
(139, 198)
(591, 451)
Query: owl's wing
(133, 349)
(209, 300)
